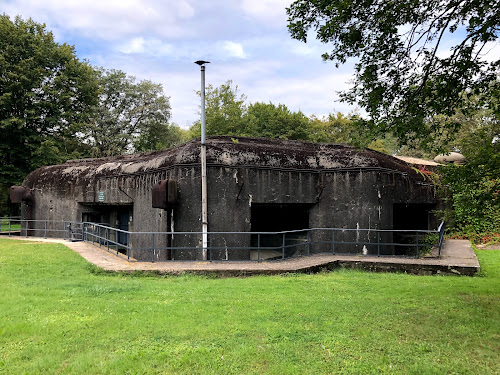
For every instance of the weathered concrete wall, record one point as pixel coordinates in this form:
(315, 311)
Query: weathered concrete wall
(352, 199)
(342, 188)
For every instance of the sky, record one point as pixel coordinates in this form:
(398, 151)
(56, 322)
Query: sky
(246, 41)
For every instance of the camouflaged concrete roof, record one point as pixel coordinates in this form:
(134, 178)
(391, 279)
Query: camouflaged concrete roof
(225, 151)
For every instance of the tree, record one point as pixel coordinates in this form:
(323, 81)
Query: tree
(334, 128)
(405, 73)
(45, 91)
(473, 190)
(277, 121)
(45, 96)
(129, 117)
(159, 136)
(228, 114)
(225, 112)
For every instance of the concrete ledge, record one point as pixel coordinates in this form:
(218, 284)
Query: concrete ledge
(458, 258)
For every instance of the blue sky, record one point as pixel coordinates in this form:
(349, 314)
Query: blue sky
(246, 41)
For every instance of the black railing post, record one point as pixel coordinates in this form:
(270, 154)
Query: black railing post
(258, 247)
(107, 241)
(153, 249)
(210, 246)
(128, 250)
(308, 242)
(378, 243)
(418, 250)
(333, 241)
(284, 244)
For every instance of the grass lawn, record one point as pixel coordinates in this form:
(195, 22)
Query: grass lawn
(5, 227)
(58, 314)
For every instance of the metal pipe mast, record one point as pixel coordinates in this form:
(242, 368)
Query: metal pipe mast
(203, 157)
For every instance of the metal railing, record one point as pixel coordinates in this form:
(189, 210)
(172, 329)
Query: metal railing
(12, 226)
(252, 246)
(440, 231)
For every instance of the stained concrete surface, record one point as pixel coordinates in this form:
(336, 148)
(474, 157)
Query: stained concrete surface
(489, 247)
(337, 186)
(457, 257)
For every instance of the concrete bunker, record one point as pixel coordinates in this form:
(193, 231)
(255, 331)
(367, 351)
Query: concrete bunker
(254, 185)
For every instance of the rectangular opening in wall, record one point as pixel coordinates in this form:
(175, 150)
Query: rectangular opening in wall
(412, 216)
(122, 222)
(273, 217)
(114, 216)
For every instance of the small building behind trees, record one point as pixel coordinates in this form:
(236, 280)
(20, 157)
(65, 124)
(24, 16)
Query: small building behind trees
(254, 185)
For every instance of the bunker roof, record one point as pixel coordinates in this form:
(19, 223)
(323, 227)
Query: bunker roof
(225, 151)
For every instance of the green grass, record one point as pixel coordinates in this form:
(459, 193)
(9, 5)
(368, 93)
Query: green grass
(4, 225)
(59, 315)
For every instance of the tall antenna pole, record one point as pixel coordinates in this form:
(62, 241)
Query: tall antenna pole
(203, 157)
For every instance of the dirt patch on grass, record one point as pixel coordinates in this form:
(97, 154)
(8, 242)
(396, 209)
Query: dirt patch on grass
(489, 247)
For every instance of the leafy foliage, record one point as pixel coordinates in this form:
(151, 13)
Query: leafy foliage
(45, 95)
(45, 98)
(54, 107)
(405, 70)
(129, 117)
(475, 198)
(277, 121)
(159, 136)
(474, 189)
(332, 128)
(227, 113)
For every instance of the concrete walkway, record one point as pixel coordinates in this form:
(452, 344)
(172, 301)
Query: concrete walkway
(457, 257)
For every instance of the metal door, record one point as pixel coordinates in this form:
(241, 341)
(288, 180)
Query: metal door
(123, 219)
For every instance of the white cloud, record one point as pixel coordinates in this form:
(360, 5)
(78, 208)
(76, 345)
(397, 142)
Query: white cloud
(108, 19)
(491, 52)
(313, 48)
(313, 94)
(150, 46)
(303, 50)
(136, 45)
(267, 11)
(159, 40)
(234, 49)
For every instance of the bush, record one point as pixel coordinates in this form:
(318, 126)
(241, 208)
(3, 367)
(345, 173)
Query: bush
(473, 199)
